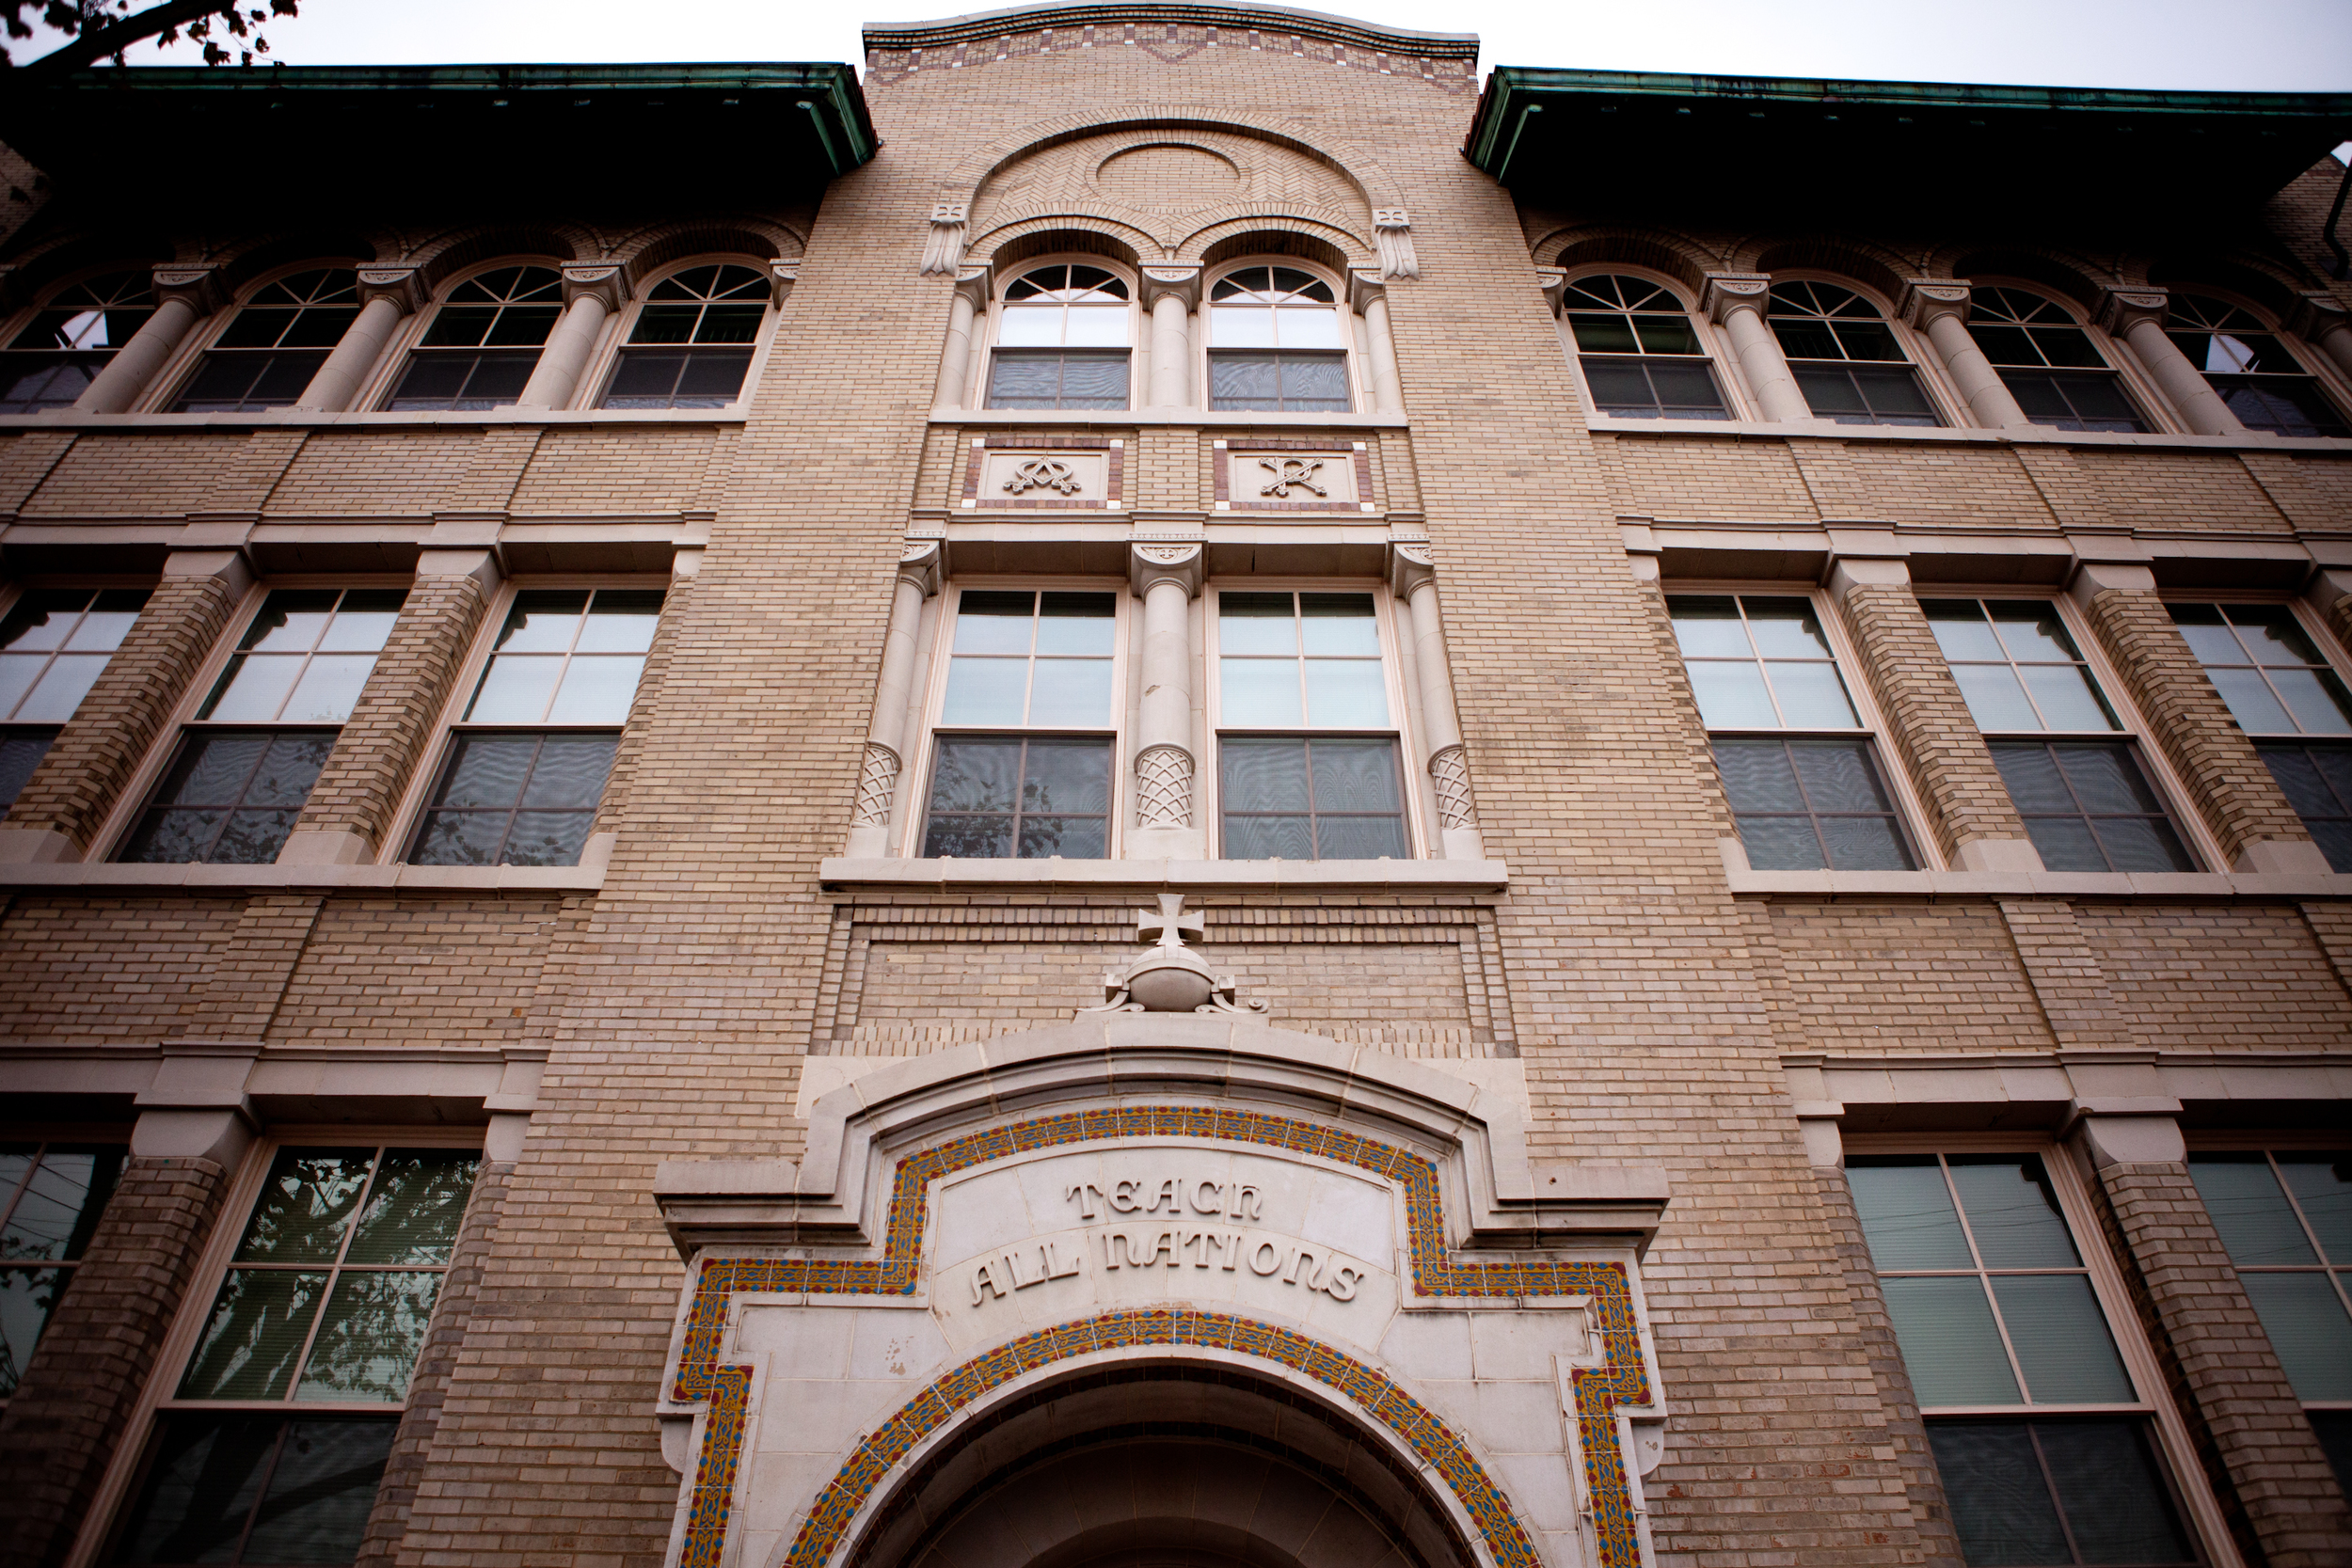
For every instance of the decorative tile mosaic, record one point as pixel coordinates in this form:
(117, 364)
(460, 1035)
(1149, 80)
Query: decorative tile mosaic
(1621, 1379)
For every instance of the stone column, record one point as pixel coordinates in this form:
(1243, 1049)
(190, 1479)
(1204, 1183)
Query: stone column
(352, 805)
(1927, 720)
(590, 294)
(2330, 594)
(1938, 306)
(1413, 581)
(1170, 294)
(955, 355)
(1166, 578)
(69, 794)
(1369, 298)
(72, 1406)
(1735, 301)
(390, 293)
(183, 294)
(2136, 316)
(2284, 1502)
(2232, 787)
(2322, 320)
(885, 737)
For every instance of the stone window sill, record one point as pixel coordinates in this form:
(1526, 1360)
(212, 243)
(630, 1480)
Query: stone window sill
(2029, 435)
(2041, 884)
(1191, 419)
(1191, 876)
(110, 877)
(288, 419)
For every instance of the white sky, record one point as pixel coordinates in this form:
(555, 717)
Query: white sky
(2215, 45)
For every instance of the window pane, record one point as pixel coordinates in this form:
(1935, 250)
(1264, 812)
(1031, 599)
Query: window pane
(2251, 701)
(1315, 382)
(1811, 696)
(1359, 838)
(1996, 701)
(976, 838)
(1241, 327)
(1095, 326)
(254, 688)
(516, 688)
(2251, 1214)
(206, 1473)
(416, 1205)
(258, 1323)
(1264, 775)
(59, 1207)
(542, 621)
(1837, 777)
(1258, 692)
(1354, 775)
(1831, 394)
(2322, 1184)
(2316, 698)
(2035, 784)
(994, 623)
(61, 688)
(486, 770)
(1960, 629)
(1072, 837)
(1781, 843)
(329, 688)
(976, 775)
(1337, 624)
(2062, 1339)
(27, 1296)
(2066, 844)
(711, 378)
(320, 1495)
(1949, 1345)
(1597, 333)
(304, 1205)
(2013, 1212)
(597, 689)
(2064, 694)
(1256, 623)
(1906, 1211)
(1267, 838)
(20, 754)
(1094, 381)
(1786, 628)
(1345, 693)
(569, 772)
(2333, 1429)
(1687, 391)
(2141, 843)
(2001, 1504)
(1731, 695)
(1244, 381)
(2110, 1491)
(644, 380)
(1067, 690)
(2030, 629)
(1067, 777)
(547, 837)
(368, 1342)
(1710, 627)
(1865, 844)
(2106, 778)
(2305, 1320)
(985, 690)
(1758, 775)
(622, 621)
(1079, 623)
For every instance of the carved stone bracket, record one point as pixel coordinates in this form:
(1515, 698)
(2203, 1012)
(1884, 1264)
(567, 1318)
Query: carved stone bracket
(1924, 300)
(1555, 287)
(1163, 787)
(1410, 569)
(1167, 978)
(606, 280)
(1392, 238)
(1727, 292)
(2121, 309)
(1182, 281)
(1450, 771)
(1364, 287)
(877, 783)
(198, 287)
(972, 283)
(943, 252)
(920, 565)
(781, 276)
(1178, 561)
(402, 286)
(2317, 315)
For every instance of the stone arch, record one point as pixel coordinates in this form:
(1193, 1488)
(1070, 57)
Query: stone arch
(649, 250)
(2270, 287)
(2059, 274)
(244, 265)
(41, 267)
(1882, 270)
(453, 254)
(1010, 246)
(1242, 238)
(1676, 255)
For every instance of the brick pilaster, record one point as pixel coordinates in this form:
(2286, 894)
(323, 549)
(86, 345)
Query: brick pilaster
(77, 783)
(79, 1388)
(2232, 787)
(1928, 718)
(252, 970)
(2066, 976)
(359, 788)
(2284, 1505)
(428, 1385)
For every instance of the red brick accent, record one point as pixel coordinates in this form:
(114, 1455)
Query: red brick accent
(2284, 1505)
(74, 1403)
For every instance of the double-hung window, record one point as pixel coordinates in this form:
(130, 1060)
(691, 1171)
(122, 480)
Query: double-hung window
(692, 341)
(528, 760)
(51, 1196)
(1062, 337)
(275, 344)
(54, 643)
(2048, 362)
(1640, 351)
(1310, 761)
(483, 342)
(273, 1442)
(1277, 344)
(2046, 1441)
(2256, 374)
(1846, 359)
(2290, 701)
(52, 361)
(2285, 1218)
(1797, 764)
(246, 765)
(1021, 764)
(2087, 802)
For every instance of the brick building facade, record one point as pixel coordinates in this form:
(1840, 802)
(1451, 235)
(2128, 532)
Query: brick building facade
(1171, 792)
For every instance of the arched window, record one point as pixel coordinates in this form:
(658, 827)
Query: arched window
(1639, 350)
(275, 344)
(1278, 342)
(2264, 384)
(1845, 357)
(1062, 336)
(2048, 362)
(483, 342)
(52, 361)
(693, 341)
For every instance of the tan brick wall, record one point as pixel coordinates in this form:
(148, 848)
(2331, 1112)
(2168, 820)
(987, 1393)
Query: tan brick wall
(2218, 977)
(382, 474)
(107, 969)
(1905, 976)
(614, 472)
(135, 476)
(415, 971)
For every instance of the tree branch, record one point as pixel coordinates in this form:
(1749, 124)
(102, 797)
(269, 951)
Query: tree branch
(90, 48)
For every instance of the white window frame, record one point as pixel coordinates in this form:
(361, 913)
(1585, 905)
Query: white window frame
(20, 321)
(604, 360)
(2140, 390)
(171, 378)
(1723, 361)
(2334, 385)
(1359, 391)
(393, 362)
(916, 774)
(2202, 1516)
(991, 331)
(1934, 384)
(1910, 808)
(1412, 766)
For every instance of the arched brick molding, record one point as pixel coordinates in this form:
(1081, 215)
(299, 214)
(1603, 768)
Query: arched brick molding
(1677, 255)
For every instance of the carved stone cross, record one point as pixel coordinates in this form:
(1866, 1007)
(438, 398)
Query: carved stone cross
(1300, 471)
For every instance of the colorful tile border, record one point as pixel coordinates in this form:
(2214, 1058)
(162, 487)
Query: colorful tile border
(1621, 1379)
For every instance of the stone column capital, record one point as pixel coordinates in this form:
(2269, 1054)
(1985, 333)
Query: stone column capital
(198, 287)
(919, 564)
(2316, 314)
(1410, 569)
(1726, 292)
(781, 276)
(402, 286)
(1159, 281)
(604, 280)
(1555, 287)
(1364, 287)
(1925, 299)
(1178, 561)
(973, 284)
(2121, 310)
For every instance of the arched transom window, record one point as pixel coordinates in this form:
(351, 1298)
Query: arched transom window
(1641, 355)
(692, 343)
(2264, 384)
(1277, 342)
(484, 341)
(1062, 335)
(275, 344)
(2048, 362)
(1845, 357)
(52, 361)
